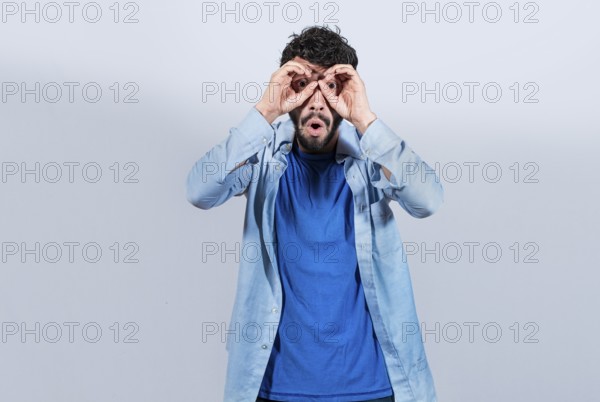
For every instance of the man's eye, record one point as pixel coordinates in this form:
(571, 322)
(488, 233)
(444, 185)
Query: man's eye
(332, 85)
(299, 85)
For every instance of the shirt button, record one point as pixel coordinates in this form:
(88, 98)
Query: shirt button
(277, 167)
(274, 310)
(264, 346)
(264, 140)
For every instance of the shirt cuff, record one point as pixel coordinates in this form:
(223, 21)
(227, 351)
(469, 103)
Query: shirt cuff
(378, 139)
(376, 143)
(255, 131)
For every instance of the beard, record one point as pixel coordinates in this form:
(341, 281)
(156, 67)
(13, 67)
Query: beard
(310, 143)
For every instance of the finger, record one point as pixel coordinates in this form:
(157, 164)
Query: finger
(295, 63)
(298, 98)
(294, 67)
(286, 74)
(306, 93)
(290, 72)
(341, 68)
(341, 77)
(329, 93)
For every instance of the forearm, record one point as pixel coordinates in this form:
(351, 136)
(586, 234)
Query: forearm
(225, 171)
(400, 172)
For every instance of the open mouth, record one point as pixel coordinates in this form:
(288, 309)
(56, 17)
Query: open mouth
(315, 127)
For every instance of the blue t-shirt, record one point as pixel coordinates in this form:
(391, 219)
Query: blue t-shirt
(325, 348)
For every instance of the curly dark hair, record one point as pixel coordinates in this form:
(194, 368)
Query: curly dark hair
(320, 45)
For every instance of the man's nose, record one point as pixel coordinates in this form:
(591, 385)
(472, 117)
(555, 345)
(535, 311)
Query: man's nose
(316, 102)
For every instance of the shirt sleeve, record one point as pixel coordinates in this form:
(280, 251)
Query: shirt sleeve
(413, 184)
(214, 178)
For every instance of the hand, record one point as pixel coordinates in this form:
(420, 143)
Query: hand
(280, 97)
(350, 101)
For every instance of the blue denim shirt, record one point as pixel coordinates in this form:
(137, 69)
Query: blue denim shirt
(250, 162)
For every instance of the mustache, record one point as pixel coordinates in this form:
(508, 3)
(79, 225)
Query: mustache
(317, 115)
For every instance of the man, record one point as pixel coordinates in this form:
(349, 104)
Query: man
(326, 309)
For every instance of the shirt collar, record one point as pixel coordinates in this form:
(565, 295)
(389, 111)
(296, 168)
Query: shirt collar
(348, 141)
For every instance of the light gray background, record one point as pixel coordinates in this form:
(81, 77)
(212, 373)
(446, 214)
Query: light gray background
(171, 54)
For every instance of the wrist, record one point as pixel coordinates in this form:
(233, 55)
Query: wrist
(269, 115)
(365, 121)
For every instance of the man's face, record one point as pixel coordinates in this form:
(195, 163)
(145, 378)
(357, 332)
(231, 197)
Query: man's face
(315, 122)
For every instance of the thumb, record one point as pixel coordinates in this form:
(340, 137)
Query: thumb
(329, 93)
(306, 92)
